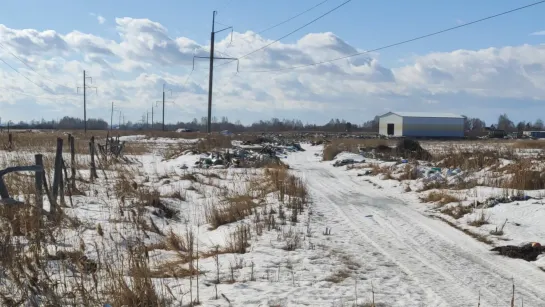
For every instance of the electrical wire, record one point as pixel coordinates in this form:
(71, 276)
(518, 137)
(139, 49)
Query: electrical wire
(183, 85)
(30, 67)
(29, 80)
(290, 33)
(398, 43)
(292, 18)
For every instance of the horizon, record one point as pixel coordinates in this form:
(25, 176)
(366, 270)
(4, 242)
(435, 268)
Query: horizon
(130, 51)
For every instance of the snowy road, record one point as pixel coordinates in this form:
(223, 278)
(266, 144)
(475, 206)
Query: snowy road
(413, 260)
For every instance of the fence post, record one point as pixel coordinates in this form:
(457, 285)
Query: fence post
(39, 183)
(93, 165)
(72, 162)
(10, 141)
(57, 175)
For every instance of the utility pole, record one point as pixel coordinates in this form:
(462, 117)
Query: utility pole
(112, 117)
(163, 102)
(163, 107)
(211, 68)
(85, 98)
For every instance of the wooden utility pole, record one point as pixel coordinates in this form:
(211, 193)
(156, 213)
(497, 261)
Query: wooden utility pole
(163, 101)
(85, 98)
(211, 68)
(112, 116)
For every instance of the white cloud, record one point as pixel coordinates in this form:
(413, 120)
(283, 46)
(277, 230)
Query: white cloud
(538, 33)
(132, 68)
(101, 20)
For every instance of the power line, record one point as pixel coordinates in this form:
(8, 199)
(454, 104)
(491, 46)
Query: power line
(398, 43)
(30, 67)
(292, 18)
(301, 27)
(29, 80)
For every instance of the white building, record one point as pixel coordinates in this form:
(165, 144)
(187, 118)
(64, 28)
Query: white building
(421, 124)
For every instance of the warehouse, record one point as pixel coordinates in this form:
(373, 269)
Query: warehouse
(421, 124)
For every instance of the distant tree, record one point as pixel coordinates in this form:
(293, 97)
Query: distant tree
(473, 124)
(538, 125)
(504, 123)
(521, 126)
(477, 124)
(348, 127)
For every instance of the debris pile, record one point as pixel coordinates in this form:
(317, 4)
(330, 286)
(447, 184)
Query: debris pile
(493, 201)
(344, 162)
(405, 148)
(529, 251)
(113, 147)
(408, 148)
(248, 154)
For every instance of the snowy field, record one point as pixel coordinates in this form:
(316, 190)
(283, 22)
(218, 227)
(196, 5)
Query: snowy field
(157, 230)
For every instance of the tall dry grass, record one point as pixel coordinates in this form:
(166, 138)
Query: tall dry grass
(337, 146)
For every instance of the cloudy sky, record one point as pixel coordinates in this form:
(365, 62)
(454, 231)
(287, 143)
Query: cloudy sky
(131, 48)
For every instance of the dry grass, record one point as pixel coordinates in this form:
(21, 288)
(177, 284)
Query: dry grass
(230, 210)
(477, 236)
(119, 269)
(440, 197)
(215, 142)
(338, 276)
(457, 211)
(480, 220)
(337, 146)
(410, 172)
(472, 160)
(525, 177)
(385, 170)
(529, 144)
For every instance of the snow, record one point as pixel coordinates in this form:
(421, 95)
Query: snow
(159, 140)
(423, 261)
(382, 240)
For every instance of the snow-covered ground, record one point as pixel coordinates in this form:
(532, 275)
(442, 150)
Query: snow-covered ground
(413, 259)
(357, 237)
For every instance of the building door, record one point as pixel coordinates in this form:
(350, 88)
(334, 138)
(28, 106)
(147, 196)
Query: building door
(390, 129)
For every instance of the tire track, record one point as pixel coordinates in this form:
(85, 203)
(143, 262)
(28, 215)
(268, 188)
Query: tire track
(445, 265)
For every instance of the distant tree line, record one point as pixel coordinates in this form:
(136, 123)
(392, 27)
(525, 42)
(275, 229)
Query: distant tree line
(64, 123)
(274, 124)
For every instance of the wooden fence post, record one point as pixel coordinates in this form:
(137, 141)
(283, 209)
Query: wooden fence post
(57, 175)
(4, 193)
(10, 141)
(93, 165)
(72, 163)
(39, 183)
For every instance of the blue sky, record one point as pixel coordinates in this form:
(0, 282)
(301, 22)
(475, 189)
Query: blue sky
(360, 24)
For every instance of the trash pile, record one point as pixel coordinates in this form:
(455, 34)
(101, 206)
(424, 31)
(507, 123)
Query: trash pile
(493, 201)
(528, 251)
(405, 148)
(344, 162)
(251, 154)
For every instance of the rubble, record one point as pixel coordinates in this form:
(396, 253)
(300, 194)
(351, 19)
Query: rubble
(528, 251)
(344, 162)
(493, 201)
(248, 154)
